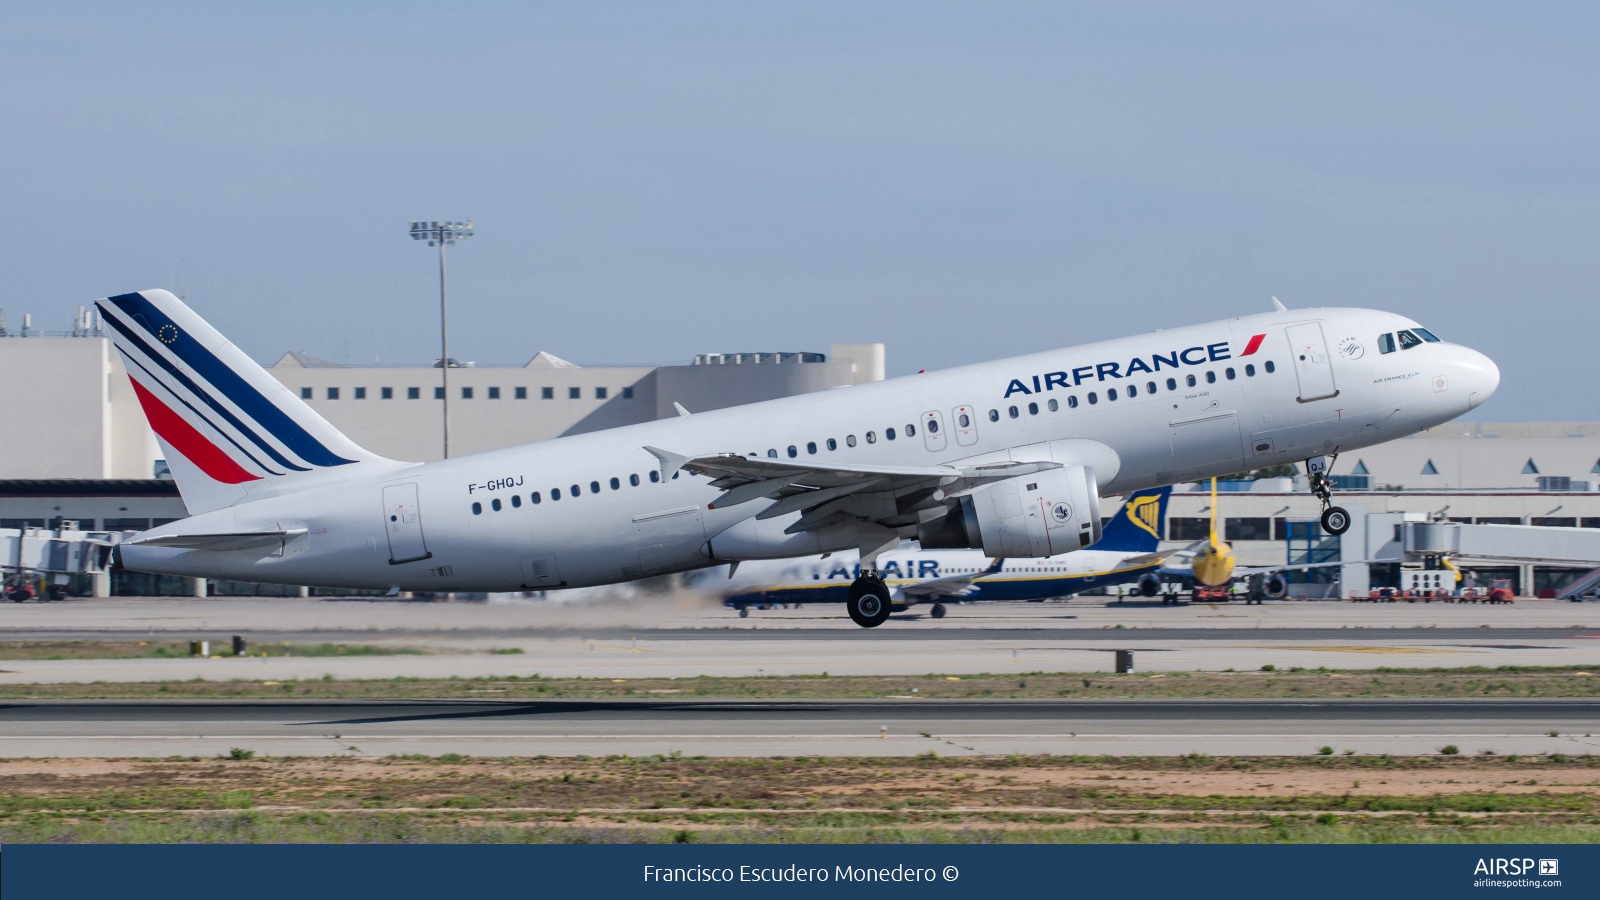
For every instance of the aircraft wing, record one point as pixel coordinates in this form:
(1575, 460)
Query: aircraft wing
(891, 496)
(243, 540)
(951, 586)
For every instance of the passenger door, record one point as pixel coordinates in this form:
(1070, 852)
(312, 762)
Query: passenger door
(933, 431)
(966, 425)
(668, 541)
(1312, 364)
(403, 521)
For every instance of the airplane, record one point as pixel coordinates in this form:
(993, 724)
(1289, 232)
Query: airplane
(1010, 457)
(1213, 568)
(1126, 553)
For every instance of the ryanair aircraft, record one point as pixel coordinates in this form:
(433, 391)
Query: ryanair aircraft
(1125, 554)
(1007, 457)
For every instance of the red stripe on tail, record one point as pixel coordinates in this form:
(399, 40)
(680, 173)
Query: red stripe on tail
(192, 444)
(1254, 345)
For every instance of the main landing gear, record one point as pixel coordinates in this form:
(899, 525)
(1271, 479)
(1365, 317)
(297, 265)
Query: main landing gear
(868, 603)
(1335, 519)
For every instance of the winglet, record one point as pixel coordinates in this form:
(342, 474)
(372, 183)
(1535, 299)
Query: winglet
(1278, 304)
(670, 462)
(679, 407)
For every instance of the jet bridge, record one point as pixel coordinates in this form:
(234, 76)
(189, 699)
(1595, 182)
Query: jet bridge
(1504, 543)
(48, 558)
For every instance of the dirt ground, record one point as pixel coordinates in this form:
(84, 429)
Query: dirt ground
(1506, 681)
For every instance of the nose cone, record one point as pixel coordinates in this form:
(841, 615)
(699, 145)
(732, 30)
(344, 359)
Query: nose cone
(1478, 374)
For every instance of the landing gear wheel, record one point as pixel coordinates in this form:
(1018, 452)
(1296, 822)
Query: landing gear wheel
(744, 613)
(868, 603)
(938, 611)
(1335, 520)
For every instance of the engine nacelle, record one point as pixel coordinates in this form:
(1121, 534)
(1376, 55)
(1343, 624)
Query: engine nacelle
(1149, 584)
(1027, 517)
(1277, 585)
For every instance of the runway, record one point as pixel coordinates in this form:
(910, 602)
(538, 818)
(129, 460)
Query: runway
(796, 728)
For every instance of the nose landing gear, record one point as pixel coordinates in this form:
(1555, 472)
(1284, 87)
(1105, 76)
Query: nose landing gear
(1335, 519)
(868, 601)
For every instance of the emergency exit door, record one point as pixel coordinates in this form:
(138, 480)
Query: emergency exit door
(403, 520)
(1312, 364)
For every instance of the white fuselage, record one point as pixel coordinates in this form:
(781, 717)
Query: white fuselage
(601, 534)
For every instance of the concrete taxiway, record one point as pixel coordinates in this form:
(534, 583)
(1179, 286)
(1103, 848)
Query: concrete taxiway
(796, 728)
(671, 639)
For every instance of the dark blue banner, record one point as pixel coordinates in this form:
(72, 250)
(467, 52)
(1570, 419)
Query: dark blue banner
(501, 872)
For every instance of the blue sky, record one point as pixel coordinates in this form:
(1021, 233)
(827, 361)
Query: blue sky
(959, 181)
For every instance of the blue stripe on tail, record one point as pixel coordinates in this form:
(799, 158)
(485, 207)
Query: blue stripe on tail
(228, 382)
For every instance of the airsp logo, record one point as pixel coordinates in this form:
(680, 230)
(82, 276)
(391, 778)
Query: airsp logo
(1350, 348)
(1062, 512)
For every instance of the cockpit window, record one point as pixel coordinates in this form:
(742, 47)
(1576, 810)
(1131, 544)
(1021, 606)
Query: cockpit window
(1385, 343)
(1409, 340)
(1426, 335)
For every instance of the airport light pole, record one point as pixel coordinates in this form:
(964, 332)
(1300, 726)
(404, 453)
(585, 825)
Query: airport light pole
(442, 234)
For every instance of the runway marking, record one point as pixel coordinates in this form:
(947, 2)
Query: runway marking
(1369, 649)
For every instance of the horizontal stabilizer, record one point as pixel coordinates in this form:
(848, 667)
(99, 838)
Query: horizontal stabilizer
(241, 540)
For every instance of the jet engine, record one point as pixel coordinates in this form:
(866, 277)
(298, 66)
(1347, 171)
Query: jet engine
(1277, 586)
(1149, 584)
(1030, 516)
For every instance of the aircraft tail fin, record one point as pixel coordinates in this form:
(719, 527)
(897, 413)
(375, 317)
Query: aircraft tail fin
(1137, 525)
(230, 430)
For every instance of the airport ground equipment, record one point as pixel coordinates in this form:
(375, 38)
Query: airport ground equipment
(38, 563)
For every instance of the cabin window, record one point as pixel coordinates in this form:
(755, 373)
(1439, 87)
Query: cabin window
(965, 420)
(1172, 384)
(1250, 370)
(594, 487)
(495, 504)
(1270, 367)
(888, 433)
(1052, 404)
(1150, 387)
(994, 415)
(811, 446)
(555, 493)
(477, 508)
(933, 426)
(634, 479)
(1189, 380)
(773, 453)
(1033, 409)
(616, 484)
(1133, 390)
(911, 430)
(654, 476)
(534, 497)
(1093, 398)
(1013, 412)
(1229, 373)
(1072, 401)
(850, 440)
(1111, 393)
(872, 437)
(833, 444)
(516, 501)
(1211, 377)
